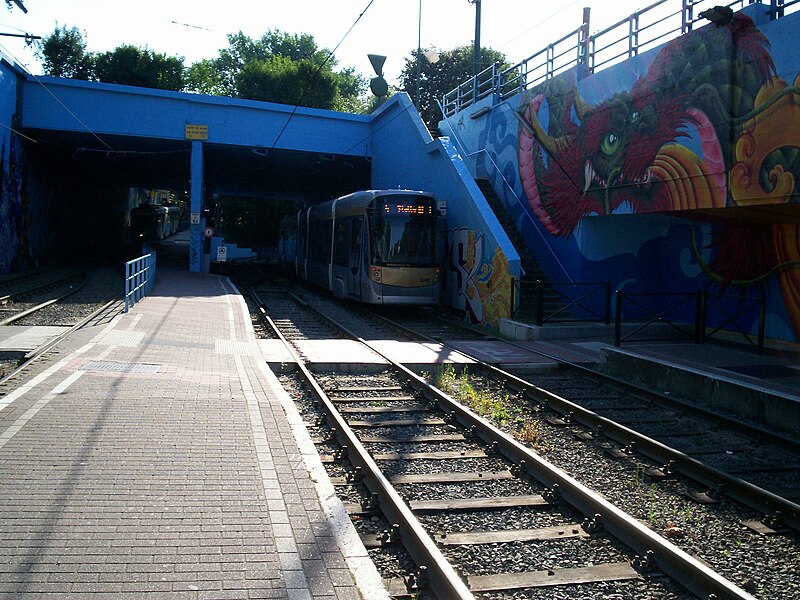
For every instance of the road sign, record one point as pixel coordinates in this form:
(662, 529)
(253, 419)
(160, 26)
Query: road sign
(208, 232)
(222, 253)
(195, 218)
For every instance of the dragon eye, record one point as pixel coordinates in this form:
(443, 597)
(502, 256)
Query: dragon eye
(610, 143)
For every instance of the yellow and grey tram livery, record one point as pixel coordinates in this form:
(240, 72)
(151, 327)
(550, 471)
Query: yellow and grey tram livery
(377, 246)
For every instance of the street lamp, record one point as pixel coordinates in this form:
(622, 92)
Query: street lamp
(476, 51)
(419, 58)
(430, 55)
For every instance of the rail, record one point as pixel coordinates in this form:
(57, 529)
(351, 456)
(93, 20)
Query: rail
(644, 29)
(581, 297)
(140, 275)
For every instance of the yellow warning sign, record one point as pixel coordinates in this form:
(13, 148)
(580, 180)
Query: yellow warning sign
(196, 132)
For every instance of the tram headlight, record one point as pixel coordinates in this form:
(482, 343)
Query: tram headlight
(375, 274)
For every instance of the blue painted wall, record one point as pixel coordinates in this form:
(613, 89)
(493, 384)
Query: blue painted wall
(24, 220)
(698, 226)
(481, 261)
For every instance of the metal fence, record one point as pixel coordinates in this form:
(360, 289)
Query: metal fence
(571, 302)
(643, 30)
(713, 314)
(140, 275)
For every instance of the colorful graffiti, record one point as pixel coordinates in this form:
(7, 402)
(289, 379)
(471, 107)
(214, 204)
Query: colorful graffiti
(482, 290)
(709, 125)
(12, 211)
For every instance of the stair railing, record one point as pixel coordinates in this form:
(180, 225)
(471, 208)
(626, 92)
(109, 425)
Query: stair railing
(465, 154)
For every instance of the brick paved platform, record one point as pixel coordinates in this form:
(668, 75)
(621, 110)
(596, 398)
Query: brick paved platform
(163, 460)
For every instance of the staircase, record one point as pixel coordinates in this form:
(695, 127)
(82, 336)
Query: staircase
(532, 271)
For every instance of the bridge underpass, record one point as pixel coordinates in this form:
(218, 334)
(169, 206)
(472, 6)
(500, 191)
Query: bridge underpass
(95, 141)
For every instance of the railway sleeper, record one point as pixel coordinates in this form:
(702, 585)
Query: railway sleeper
(395, 422)
(554, 577)
(473, 538)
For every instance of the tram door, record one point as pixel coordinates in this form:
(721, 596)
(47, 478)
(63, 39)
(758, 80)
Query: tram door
(356, 236)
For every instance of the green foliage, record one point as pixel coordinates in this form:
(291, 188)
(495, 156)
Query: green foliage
(129, 65)
(278, 67)
(63, 54)
(436, 79)
(286, 81)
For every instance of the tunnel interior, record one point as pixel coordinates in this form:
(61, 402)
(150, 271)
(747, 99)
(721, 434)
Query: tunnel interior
(88, 185)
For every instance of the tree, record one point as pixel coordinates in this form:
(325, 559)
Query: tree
(281, 79)
(453, 68)
(63, 54)
(129, 65)
(303, 73)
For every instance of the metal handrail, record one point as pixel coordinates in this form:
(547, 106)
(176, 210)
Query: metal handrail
(578, 302)
(655, 315)
(523, 80)
(465, 154)
(729, 318)
(140, 276)
(524, 69)
(701, 330)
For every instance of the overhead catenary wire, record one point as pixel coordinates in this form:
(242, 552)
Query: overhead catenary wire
(57, 99)
(316, 72)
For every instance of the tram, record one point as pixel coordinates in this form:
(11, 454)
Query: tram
(376, 246)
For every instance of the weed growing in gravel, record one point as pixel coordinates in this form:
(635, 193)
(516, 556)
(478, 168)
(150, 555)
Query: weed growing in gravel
(529, 432)
(444, 377)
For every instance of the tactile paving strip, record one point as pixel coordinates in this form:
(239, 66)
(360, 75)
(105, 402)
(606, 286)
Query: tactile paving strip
(119, 367)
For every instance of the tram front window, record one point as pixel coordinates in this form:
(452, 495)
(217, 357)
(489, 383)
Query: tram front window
(404, 232)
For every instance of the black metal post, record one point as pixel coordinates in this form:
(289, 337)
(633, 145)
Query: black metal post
(699, 310)
(476, 52)
(539, 302)
(762, 317)
(618, 321)
(511, 310)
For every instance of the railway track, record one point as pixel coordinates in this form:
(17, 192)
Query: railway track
(425, 442)
(8, 380)
(713, 449)
(31, 298)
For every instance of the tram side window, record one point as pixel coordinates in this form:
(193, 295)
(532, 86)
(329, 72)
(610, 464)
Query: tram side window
(341, 242)
(320, 241)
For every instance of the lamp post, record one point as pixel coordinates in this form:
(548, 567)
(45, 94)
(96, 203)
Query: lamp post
(419, 52)
(476, 51)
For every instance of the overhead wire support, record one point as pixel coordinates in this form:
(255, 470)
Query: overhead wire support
(28, 37)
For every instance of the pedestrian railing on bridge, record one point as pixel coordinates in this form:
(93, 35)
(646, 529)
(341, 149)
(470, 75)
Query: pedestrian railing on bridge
(647, 28)
(140, 275)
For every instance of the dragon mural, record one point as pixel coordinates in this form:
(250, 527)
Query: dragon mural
(709, 125)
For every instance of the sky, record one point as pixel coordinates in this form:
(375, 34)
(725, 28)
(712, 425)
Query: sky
(197, 29)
